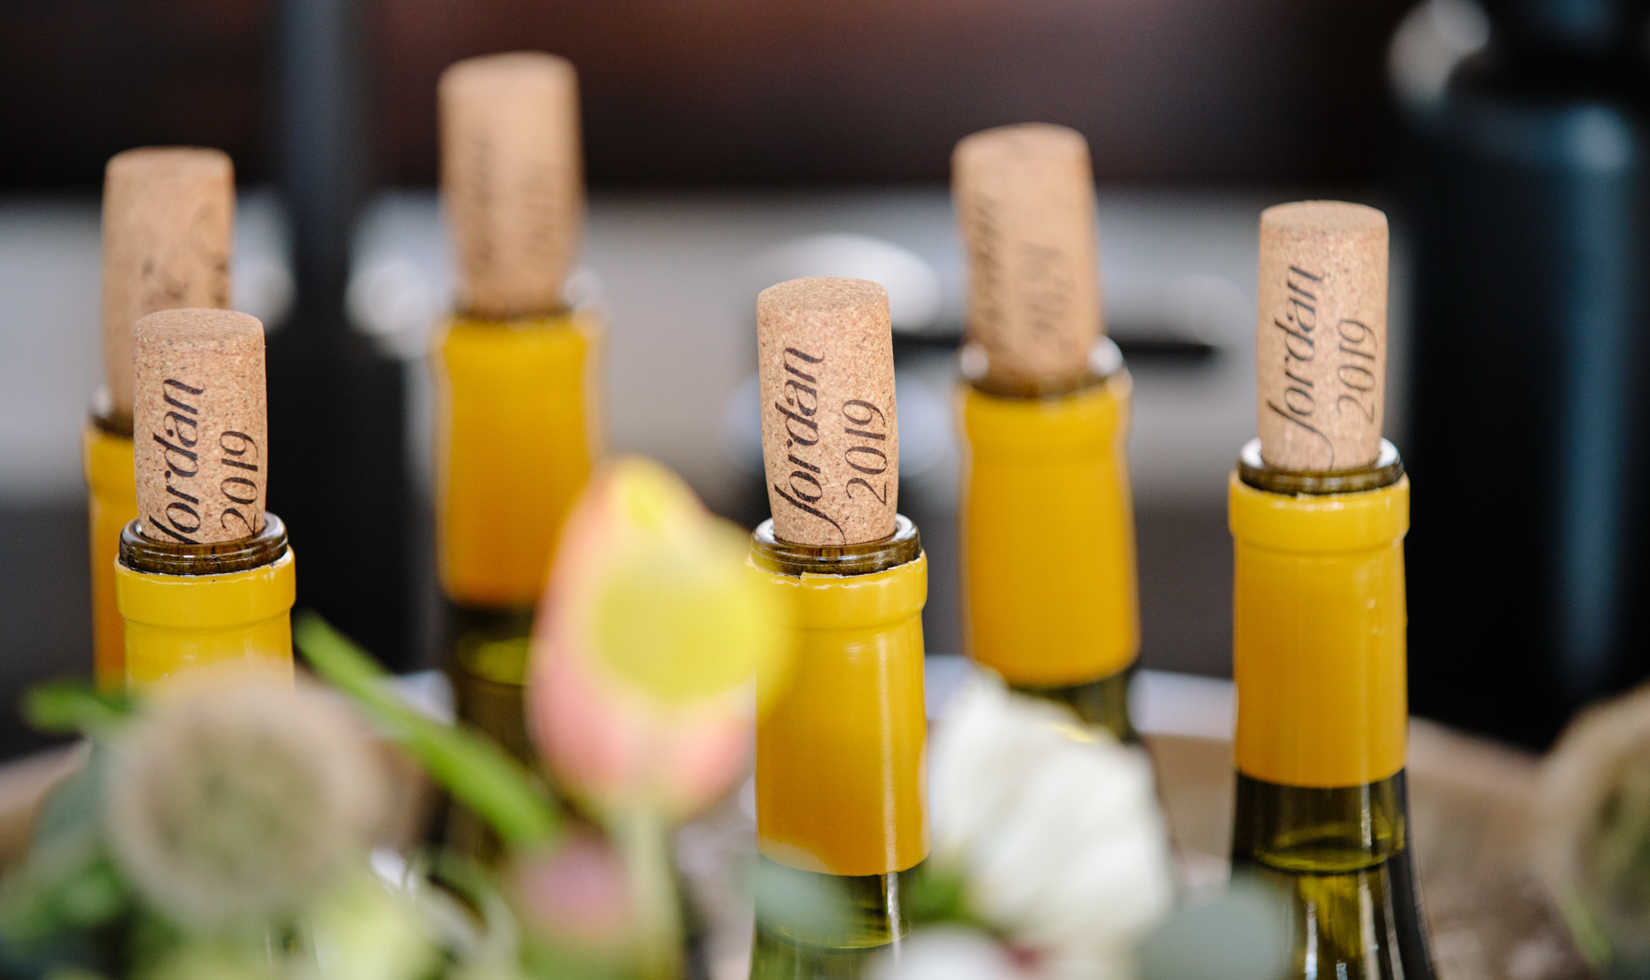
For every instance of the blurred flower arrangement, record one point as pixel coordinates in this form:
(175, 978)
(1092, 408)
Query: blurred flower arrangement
(229, 826)
(238, 827)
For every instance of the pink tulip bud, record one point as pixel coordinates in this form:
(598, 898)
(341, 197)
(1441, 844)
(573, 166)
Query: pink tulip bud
(648, 641)
(576, 894)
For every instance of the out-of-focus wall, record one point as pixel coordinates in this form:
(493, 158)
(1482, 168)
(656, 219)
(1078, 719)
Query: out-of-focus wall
(753, 90)
(741, 91)
(84, 79)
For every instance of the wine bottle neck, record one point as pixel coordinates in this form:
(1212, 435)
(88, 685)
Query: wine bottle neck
(154, 556)
(1102, 703)
(782, 557)
(1048, 563)
(826, 912)
(1318, 650)
(517, 436)
(1340, 859)
(839, 752)
(1313, 830)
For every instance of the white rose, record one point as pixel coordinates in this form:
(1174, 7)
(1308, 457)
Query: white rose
(1054, 827)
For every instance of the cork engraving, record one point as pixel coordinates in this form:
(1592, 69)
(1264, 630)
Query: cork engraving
(1321, 342)
(202, 465)
(1024, 197)
(829, 430)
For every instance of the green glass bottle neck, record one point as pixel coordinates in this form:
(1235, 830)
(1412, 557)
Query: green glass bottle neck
(1102, 703)
(1310, 830)
(142, 553)
(1387, 469)
(1105, 360)
(1341, 860)
(812, 926)
(786, 558)
(107, 417)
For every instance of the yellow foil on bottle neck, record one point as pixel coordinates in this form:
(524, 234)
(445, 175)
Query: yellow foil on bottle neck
(1318, 647)
(841, 766)
(1049, 581)
(111, 500)
(516, 437)
(175, 623)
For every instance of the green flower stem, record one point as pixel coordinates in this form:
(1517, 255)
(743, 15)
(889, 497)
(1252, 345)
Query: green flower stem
(471, 767)
(67, 707)
(643, 836)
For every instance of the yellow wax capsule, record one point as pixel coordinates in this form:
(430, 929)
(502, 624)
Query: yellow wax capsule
(111, 486)
(1036, 468)
(841, 784)
(223, 614)
(1319, 634)
(515, 444)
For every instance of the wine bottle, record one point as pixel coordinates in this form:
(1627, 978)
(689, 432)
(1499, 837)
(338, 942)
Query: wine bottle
(516, 373)
(205, 577)
(1045, 404)
(1319, 506)
(1528, 247)
(840, 801)
(168, 217)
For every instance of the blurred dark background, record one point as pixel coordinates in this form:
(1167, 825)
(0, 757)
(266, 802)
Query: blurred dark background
(737, 91)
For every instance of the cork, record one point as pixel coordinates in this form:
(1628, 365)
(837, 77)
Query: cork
(1321, 344)
(830, 436)
(168, 224)
(1024, 197)
(512, 179)
(200, 431)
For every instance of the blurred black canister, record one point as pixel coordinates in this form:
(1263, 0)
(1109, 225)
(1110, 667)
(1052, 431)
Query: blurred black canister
(1525, 183)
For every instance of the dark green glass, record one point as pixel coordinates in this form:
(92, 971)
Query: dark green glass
(106, 416)
(141, 553)
(1102, 703)
(812, 926)
(1387, 469)
(487, 655)
(778, 555)
(1342, 856)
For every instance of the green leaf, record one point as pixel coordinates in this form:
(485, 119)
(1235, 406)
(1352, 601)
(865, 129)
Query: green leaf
(471, 766)
(63, 888)
(66, 707)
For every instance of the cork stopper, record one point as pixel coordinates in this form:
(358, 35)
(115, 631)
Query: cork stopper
(1321, 345)
(512, 179)
(200, 432)
(1024, 197)
(830, 437)
(168, 224)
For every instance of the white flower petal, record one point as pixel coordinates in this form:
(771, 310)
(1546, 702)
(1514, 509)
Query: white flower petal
(1057, 830)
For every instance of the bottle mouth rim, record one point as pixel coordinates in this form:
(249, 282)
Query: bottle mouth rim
(1105, 361)
(105, 416)
(141, 553)
(1387, 469)
(787, 558)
